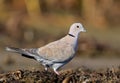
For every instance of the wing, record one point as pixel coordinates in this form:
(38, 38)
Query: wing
(57, 51)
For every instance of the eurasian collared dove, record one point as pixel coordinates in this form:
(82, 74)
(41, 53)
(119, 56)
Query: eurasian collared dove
(57, 53)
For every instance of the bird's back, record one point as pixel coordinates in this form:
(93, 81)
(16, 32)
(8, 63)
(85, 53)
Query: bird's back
(58, 51)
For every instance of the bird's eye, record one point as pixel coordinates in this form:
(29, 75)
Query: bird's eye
(77, 26)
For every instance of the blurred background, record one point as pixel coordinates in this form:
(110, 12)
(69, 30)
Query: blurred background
(34, 23)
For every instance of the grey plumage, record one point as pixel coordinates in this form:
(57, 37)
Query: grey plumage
(57, 53)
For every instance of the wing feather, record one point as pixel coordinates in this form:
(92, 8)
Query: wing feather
(56, 51)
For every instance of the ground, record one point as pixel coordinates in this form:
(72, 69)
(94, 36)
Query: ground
(80, 75)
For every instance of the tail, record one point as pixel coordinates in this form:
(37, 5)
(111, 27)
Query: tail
(13, 49)
(23, 52)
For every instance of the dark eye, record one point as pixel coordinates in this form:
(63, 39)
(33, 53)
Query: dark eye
(77, 26)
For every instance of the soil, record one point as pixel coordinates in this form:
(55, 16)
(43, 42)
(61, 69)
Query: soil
(80, 75)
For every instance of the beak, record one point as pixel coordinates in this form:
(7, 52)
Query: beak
(84, 30)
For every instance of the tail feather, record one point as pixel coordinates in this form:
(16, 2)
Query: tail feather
(20, 51)
(13, 49)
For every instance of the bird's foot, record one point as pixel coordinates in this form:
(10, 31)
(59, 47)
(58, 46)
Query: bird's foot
(46, 68)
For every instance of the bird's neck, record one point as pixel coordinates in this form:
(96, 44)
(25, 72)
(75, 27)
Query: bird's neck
(73, 40)
(73, 35)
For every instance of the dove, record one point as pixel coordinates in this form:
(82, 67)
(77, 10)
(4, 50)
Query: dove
(56, 54)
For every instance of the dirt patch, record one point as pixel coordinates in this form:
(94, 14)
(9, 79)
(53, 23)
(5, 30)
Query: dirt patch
(68, 76)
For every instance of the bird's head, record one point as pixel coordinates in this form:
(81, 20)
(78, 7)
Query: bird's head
(76, 28)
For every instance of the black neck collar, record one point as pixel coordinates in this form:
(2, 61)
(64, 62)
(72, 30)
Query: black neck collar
(71, 35)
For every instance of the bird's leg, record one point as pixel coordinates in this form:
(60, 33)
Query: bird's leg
(56, 72)
(46, 67)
